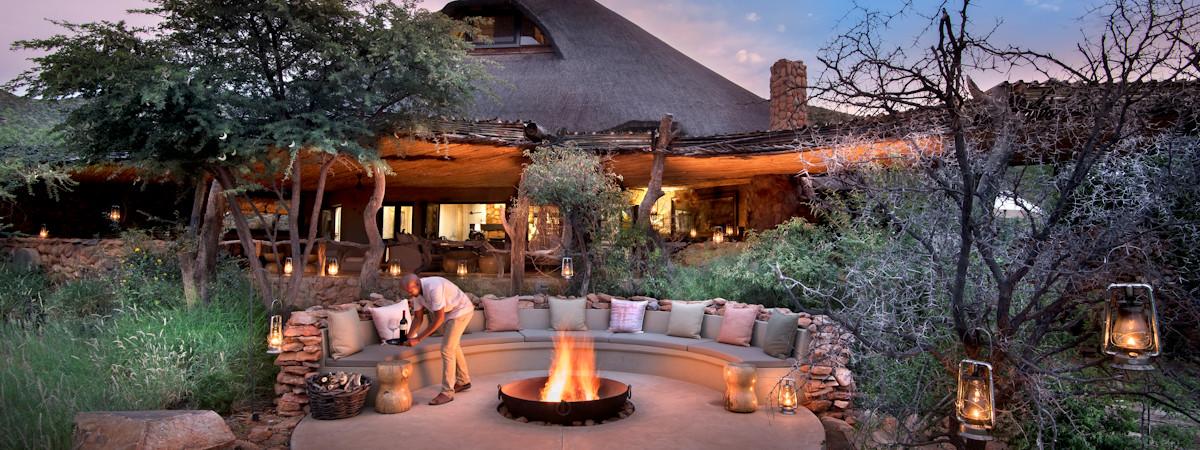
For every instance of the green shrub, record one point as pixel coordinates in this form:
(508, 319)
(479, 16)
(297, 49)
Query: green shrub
(128, 353)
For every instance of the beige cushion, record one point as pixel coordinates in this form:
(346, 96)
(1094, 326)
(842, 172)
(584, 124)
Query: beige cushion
(654, 340)
(711, 326)
(737, 353)
(568, 315)
(656, 322)
(501, 314)
(737, 326)
(534, 319)
(686, 319)
(344, 336)
(596, 319)
(373, 354)
(534, 335)
(780, 337)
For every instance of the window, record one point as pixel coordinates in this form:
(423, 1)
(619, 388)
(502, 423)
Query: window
(337, 223)
(471, 221)
(395, 220)
(503, 28)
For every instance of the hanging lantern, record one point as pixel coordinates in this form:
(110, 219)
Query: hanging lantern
(287, 266)
(394, 269)
(114, 214)
(976, 397)
(462, 269)
(44, 232)
(788, 396)
(331, 266)
(568, 267)
(275, 335)
(1131, 326)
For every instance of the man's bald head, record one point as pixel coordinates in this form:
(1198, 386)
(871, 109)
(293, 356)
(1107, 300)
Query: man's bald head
(411, 283)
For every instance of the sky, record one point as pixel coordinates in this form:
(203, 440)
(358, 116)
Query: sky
(738, 39)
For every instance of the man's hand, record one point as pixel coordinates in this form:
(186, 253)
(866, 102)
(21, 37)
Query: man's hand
(412, 342)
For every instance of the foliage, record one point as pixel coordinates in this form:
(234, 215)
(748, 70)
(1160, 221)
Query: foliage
(31, 151)
(96, 349)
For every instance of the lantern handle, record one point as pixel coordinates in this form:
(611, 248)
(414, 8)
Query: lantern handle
(1126, 246)
(990, 342)
(275, 301)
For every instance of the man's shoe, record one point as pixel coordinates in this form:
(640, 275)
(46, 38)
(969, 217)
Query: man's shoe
(441, 399)
(462, 387)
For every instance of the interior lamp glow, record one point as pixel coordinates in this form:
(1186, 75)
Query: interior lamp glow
(718, 235)
(462, 269)
(114, 213)
(1131, 326)
(394, 269)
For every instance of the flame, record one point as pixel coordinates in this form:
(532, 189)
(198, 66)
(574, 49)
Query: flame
(572, 372)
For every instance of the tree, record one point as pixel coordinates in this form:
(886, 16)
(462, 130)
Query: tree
(587, 196)
(223, 89)
(956, 279)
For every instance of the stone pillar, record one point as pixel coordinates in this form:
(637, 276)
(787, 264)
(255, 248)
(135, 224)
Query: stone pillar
(299, 360)
(789, 95)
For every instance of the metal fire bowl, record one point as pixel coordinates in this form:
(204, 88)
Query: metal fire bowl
(521, 399)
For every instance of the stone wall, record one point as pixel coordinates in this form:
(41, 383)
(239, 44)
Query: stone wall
(827, 383)
(774, 199)
(67, 259)
(789, 95)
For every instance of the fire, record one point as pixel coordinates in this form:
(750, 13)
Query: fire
(572, 372)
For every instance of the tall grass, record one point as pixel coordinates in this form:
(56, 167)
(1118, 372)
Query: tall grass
(122, 343)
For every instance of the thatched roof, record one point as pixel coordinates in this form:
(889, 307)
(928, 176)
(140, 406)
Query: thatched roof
(606, 72)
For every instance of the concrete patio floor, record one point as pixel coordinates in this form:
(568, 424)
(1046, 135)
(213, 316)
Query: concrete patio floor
(670, 415)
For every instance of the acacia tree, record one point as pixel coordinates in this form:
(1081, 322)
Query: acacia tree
(586, 193)
(956, 279)
(224, 89)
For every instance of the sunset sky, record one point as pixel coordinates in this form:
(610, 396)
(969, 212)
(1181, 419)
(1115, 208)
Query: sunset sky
(738, 39)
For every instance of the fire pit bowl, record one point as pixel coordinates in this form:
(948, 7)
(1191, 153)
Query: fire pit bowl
(521, 399)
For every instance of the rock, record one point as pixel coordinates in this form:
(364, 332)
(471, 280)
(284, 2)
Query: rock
(296, 357)
(311, 348)
(804, 322)
(301, 318)
(844, 376)
(290, 397)
(719, 301)
(592, 298)
(259, 434)
(838, 434)
(309, 340)
(818, 406)
(821, 371)
(26, 258)
(710, 311)
(639, 298)
(524, 304)
(292, 347)
(604, 306)
(841, 404)
(281, 388)
(375, 296)
(245, 445)
(151, 430)
(296, 370)
(287, 378)
(652, 306)
(303, 330)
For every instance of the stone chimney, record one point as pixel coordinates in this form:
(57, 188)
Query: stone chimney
(789, 95)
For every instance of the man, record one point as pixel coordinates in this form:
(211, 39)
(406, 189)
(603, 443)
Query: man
(444, 303)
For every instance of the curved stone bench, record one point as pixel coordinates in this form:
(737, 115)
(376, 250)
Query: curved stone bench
(697, 361)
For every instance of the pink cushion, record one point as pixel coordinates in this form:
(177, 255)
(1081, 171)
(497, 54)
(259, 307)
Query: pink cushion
(384, 315)
(738, 326)
(627, 316)
(501, 314)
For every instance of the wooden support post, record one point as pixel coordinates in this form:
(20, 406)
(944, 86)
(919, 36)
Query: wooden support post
(369, 276)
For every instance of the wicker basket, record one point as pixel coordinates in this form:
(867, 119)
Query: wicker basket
(326, 406)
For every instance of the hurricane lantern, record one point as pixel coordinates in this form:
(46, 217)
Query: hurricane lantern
(394, 269)
(718, 235)
(568, 268)
(462, 269)
(331, 266)
(44, 232)
(1131, 326)
(730, 231)
(114, 213)
(692, 233)
(976, 397)
(275, 335)
(287, 266)
(788, 396)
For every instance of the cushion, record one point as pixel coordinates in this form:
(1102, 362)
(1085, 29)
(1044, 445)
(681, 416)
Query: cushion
(568, 315)
(548, 335)
(596, 319)
(345, 340)
(373, 354)
(501, 314)
(686, 319)
(656, 322)
(534, 319)
(737, 326)
(655, 340)
(737, 353)
(711, 327)
(626, 316)
(387, 317)
(780, 335)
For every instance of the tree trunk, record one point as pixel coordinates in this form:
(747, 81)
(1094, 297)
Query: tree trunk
(369, 277)
(583, 241)
(654, 187)
(188, 257)
(516, 224)
(311, 240)
(258, 273)
(298, 260)
(210, 238)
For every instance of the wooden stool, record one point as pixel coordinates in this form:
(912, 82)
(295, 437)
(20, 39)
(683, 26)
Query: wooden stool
(739, 388)
(393, 396)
